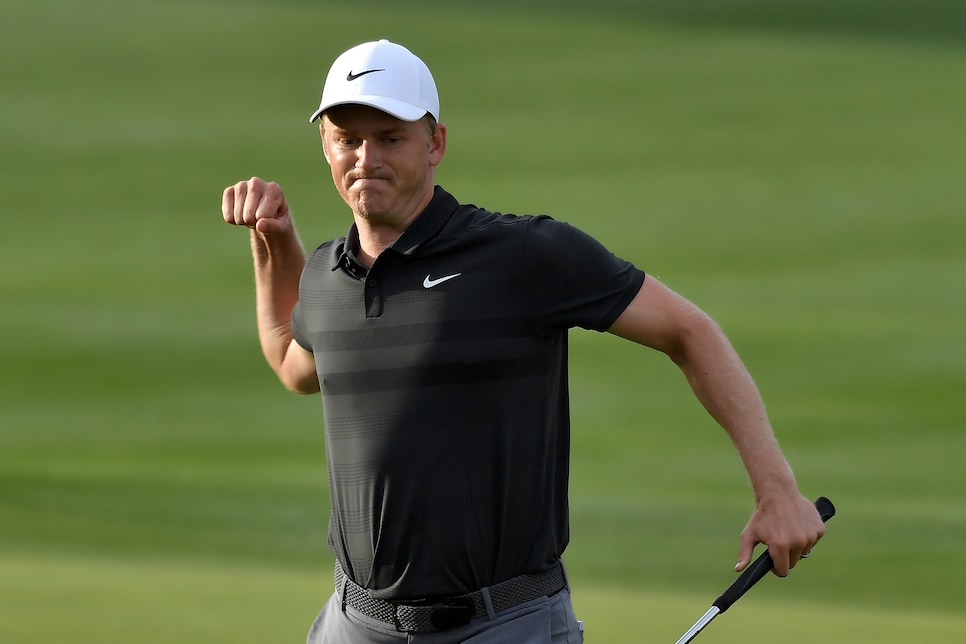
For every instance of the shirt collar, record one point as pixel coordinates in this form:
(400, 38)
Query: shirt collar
(348, 259)
(428, 224)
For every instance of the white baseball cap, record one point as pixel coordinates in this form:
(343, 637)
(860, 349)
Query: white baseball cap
(383, 75)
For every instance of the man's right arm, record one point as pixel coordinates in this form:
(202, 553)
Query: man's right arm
(278, 258)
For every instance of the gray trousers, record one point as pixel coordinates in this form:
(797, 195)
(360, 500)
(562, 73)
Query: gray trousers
(546, 620)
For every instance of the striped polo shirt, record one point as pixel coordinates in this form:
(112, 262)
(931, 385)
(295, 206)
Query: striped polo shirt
(443, 373)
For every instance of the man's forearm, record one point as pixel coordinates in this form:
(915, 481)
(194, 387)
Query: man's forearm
(723, 385)
(278, 261)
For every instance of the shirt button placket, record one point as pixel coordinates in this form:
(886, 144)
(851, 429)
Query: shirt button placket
(373, 297)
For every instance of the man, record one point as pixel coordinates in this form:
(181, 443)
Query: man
(437, 335)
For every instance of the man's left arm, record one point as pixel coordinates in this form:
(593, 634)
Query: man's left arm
(783, 519)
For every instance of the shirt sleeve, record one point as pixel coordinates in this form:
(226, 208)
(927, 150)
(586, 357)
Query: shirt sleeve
(574, 280)
(298, 330)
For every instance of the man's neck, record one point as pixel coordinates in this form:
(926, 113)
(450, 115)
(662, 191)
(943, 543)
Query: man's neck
(375, 236)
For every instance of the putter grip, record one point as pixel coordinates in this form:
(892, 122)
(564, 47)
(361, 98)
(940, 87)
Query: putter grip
(760, 567)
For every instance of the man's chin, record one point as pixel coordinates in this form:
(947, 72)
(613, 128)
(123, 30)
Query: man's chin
(371, 209)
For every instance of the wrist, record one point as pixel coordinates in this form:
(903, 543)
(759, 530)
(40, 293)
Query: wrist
(776, 485)
(276, 248)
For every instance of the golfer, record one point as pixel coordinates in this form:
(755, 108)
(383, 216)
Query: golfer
(437, 334)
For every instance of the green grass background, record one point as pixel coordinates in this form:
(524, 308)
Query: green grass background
(795, 168)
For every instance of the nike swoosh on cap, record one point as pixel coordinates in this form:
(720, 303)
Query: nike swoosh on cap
(351, 77)
(430, 283)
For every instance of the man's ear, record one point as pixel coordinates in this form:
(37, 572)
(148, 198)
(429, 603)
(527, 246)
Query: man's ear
(437, 145)
(325, 151)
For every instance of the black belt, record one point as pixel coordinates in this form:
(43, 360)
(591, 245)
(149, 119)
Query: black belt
(443, 614)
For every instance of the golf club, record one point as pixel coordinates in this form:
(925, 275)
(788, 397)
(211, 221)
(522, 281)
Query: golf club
(746, 580)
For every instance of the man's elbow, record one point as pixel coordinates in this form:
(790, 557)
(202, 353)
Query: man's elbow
(697, 334)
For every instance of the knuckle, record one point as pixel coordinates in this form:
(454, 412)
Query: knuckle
(274, 191)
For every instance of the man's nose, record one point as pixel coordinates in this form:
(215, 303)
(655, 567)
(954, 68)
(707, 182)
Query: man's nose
(368, 155)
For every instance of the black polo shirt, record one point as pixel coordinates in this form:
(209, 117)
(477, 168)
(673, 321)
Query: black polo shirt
(443, 372)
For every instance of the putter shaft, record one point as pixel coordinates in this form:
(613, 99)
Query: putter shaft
(698, 625)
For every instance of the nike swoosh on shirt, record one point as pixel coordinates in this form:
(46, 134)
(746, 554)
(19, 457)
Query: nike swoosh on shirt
(351, 77)
(430, 283)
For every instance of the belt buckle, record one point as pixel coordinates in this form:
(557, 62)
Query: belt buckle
(452, 612)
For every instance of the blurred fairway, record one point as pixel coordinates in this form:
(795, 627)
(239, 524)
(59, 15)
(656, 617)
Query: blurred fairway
(795, 168)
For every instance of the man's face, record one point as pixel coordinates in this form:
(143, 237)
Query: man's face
(382, 166)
